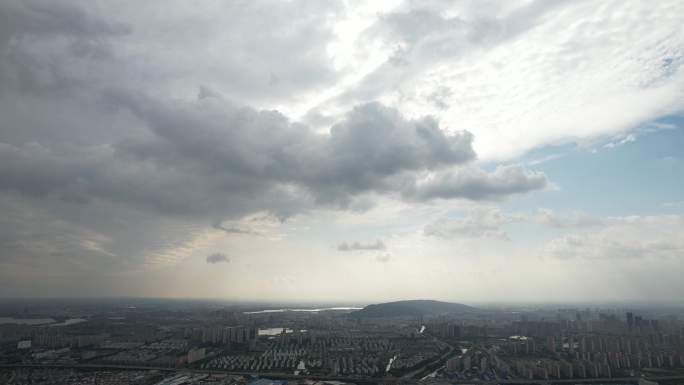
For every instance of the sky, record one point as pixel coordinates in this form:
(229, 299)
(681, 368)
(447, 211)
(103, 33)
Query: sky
(351, 151)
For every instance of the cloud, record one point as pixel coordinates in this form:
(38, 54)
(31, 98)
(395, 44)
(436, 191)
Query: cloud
(232, 230)
(236, 161)
(169, 183)
(623, 238)
(31, 235)
(122, 41)
(467, 53)
(635, 133)
(67, 237)
(34, 37)
(545, 159)
(217, 258)
(357, 246)
(478, 222)
(35, 18)
(629, 138)
(447, 60)
(477, 184)
(123, 148)
(577, 219)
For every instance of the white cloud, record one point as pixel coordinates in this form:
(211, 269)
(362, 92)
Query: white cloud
(478, 222)
(624, 238)
(525, 74)
(577, 219)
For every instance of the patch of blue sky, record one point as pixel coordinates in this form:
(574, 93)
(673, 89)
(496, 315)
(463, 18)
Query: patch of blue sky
(641, 174)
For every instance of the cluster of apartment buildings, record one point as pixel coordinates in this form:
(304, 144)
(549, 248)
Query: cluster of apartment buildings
(219, 334)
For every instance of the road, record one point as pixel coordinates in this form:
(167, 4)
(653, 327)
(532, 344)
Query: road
(356, 380)
(416, 371)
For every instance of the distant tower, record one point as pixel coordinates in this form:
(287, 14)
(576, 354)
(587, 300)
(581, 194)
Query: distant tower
(630, 320)
(551, 344)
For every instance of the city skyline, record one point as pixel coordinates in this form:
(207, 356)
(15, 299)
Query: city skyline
(343, 151)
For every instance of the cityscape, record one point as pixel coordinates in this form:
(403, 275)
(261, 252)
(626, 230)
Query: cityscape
(427, 342)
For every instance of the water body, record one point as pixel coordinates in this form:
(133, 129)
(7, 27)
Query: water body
(39, 321)
(70, 321)
(302, 310)
(26, 321)
(389, 364)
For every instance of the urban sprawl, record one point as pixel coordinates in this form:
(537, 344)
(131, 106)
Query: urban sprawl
(175, 344)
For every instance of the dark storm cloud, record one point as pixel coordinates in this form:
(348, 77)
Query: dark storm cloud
(355, 246)
(217, 258)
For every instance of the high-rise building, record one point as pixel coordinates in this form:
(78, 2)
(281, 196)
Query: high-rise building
(551, 344)
(466, 362)
(453, 364)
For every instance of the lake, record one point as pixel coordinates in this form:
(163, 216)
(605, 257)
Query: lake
(26, 321)
(40, 321)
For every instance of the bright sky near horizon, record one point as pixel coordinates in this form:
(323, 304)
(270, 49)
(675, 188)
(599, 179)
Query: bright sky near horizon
(343, 150)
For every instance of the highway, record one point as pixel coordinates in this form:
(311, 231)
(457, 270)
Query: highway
(288, 376)
(356, 380)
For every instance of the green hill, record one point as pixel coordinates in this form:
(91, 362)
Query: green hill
(411, 308)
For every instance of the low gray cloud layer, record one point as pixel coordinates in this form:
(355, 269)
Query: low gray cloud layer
(210, 157)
